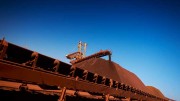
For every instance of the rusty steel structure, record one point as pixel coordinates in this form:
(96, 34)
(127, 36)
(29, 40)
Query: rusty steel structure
(90, 74)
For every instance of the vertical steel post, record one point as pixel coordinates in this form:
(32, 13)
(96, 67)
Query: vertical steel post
(109, 57)
(107, 97)
(35, 55)
(3, 48)
(56, 67)
(63, 95)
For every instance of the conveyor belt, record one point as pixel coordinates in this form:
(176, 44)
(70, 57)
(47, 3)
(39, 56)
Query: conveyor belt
(26, 66)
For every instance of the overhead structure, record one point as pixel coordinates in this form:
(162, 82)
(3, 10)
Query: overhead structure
(79, 56)
(100, 79)
(82, 48)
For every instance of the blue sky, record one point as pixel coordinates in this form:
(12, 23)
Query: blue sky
(143, 35)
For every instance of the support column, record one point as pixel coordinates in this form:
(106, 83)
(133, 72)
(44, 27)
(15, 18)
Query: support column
(107, 97)
(63, 95)
(56, 67)
(110, 57)
(34, 61)
(3, 48)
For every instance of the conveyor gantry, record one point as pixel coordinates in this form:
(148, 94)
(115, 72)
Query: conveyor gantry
(22, 65)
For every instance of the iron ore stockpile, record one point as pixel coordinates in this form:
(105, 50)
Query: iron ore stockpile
(26, 75)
